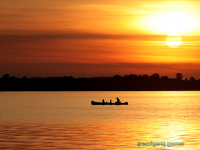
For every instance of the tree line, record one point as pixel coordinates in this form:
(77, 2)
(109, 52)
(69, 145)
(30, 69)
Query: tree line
(130, 82)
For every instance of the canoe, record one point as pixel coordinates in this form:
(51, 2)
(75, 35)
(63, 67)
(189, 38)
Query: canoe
(106, 103)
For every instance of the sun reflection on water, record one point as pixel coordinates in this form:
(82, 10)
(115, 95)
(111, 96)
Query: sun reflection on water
(149, 117)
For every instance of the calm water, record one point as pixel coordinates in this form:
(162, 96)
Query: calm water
(67, 120)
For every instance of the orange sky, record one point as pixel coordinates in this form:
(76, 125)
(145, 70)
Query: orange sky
(84, 38)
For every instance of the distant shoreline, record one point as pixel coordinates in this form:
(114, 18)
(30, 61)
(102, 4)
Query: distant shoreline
(115, 83)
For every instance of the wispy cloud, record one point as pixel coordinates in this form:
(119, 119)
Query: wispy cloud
(74, 35)
(96, 70)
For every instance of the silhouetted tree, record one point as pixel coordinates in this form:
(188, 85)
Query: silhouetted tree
(186, 79)
(192, 79)
(116, 76)
(133, 75)
(145, 76)
(164, 77)
(179, 76)
(6, 76)
(155, 75)
(23, 78)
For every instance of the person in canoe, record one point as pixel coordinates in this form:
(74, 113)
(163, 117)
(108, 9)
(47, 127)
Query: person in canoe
(103, 101)
(118, 100)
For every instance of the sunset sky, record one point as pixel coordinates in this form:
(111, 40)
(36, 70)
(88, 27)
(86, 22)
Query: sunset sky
(88, 38)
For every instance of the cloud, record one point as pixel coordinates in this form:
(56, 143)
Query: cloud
(75, 35)
(98, 70)
(68, 47)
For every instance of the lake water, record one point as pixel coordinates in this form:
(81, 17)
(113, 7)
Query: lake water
(67, 120)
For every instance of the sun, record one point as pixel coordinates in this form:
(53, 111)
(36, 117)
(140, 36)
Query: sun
(173, 40)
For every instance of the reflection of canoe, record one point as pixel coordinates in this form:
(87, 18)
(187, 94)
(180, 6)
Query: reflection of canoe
(106, 103)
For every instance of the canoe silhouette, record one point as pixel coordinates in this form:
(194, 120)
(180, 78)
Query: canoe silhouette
(106, 103)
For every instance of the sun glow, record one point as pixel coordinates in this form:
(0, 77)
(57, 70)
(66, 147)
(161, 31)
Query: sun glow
(173, 40)
(173, 22)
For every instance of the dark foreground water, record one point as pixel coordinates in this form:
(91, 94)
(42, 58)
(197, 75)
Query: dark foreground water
(67, 120)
